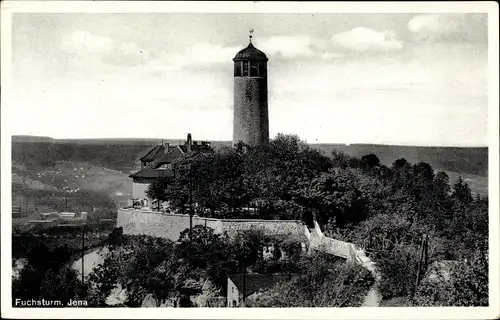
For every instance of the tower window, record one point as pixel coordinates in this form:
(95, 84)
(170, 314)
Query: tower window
(237, 69)
(245, 68)
(254, 69)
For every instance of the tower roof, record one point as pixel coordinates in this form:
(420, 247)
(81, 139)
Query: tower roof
(250, 53)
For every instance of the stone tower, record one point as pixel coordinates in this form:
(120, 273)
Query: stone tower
(251, 118)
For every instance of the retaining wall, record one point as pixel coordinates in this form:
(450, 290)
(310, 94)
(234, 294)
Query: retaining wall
(170, 226)
(329, 245)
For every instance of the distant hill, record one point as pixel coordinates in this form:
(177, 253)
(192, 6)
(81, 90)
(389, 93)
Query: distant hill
(123, 154)
(133, 141)
(104, 141)
(462, 160)
(32, 139)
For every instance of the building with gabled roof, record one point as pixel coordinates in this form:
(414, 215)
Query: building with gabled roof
(251, 284)
(157, 162)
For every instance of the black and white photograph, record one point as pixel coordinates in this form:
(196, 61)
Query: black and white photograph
(250, 160)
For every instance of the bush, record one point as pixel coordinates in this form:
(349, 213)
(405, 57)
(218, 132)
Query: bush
(464, 284)
(398, 271)
(322, 284)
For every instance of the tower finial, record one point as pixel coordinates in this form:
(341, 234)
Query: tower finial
(250, 36)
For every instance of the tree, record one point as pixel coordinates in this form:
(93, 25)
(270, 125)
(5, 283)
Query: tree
(461, 192)
(115, 238)
(423, 178)
(321, 283)
(46, 276)
(402, 179)
(62, 285)
(341, 160)
(204, 247)
(141, 265)
(248, 247)
(273, 174)
(442, 200)
(464, 284)
(370, 161)
(398, 271)
(334, 195)
(157, 190)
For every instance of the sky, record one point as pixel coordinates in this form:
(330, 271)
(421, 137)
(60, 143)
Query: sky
(409, 79)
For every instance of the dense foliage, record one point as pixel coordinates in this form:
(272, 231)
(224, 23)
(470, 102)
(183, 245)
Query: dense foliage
(388, 210)
(428, 238)
(47, 276)
(173, 272)
(237, 182)
(422, 204)
(323, 283)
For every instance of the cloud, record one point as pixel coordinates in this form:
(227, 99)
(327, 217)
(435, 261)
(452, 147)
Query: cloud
(82, 42)
(208, 55)
(449, 27)
(365, 39)
(331, 55)
(290, 47)
(201, 54)
(88, 46)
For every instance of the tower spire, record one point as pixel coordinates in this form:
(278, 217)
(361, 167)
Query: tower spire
(250, 36)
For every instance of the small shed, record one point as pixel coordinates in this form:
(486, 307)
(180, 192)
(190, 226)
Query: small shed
(253, 283)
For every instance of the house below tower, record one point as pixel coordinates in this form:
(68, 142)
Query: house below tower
(157, 162)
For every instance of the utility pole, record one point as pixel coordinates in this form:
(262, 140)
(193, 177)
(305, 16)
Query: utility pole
(244, 274)
(83, 252)
(190, 203)
(423, 250)
(66, 201)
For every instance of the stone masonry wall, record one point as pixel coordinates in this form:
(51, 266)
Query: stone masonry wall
(251, 119)
(170, 226)
(281, 227)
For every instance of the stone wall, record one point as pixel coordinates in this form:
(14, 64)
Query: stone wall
(278, 227)
(138, 222)
(170, 226)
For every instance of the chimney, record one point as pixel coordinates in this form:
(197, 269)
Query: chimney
(189, 142)
(166, 146)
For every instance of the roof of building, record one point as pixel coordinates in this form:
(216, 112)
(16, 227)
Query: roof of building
(153, 153)
(152, 171)
(250, 53)
(257, 282)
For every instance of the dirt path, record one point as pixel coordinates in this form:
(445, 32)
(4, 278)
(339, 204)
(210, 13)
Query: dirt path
(372, 299)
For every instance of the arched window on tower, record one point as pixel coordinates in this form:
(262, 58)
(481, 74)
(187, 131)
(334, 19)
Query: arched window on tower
(245, 68)
(237, 69)
(254, 69)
